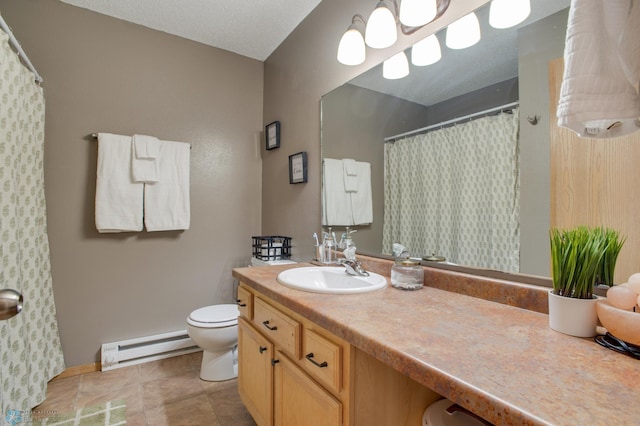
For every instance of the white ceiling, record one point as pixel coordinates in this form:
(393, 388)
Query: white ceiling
(253, 28)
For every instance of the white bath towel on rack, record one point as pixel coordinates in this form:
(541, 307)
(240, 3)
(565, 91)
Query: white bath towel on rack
(167, 202)
(118, 197)
(144, 161)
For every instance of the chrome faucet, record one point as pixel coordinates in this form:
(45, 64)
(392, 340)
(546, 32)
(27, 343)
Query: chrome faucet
(352, 267)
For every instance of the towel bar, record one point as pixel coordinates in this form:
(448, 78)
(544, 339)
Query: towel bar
(95, 136)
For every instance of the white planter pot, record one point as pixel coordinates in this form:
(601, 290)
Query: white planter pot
(575, 317)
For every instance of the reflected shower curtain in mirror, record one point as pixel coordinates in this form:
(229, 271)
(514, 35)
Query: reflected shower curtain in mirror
(30, 350)
(455, 192)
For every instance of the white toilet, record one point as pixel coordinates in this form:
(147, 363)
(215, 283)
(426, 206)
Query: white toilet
(215, 329)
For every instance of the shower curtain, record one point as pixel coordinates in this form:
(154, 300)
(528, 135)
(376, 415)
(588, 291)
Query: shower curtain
(455, 192)
(30, 350)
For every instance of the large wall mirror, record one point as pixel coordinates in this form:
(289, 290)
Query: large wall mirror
(507, 66)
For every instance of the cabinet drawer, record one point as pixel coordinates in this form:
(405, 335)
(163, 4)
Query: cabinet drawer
(245, 303)
(323, 360)
(277, 326)
(301, 401)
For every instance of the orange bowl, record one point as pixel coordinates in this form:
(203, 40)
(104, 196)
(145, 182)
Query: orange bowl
(625, 325)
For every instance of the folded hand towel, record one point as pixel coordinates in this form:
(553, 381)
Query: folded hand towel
(350, 167)
(336, 204)
(118, 198)
(167, 202)
(597, 99)
(146, 147)
(350, 175)
(144, 161)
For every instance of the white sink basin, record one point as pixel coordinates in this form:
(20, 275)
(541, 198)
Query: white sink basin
(330, 279)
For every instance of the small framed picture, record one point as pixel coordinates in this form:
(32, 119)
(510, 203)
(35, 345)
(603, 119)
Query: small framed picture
(298, 168)
(272, 135)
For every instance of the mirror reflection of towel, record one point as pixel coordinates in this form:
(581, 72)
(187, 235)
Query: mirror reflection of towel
(342, 208)
(350, 175)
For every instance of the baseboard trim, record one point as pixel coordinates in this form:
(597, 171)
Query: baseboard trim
(78, 369)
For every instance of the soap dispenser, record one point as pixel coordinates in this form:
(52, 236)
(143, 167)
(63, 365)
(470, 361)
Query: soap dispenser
(346, 240)
(328, 247)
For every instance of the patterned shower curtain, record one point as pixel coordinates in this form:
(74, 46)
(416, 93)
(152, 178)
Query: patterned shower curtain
(455, 192)
(30, 350)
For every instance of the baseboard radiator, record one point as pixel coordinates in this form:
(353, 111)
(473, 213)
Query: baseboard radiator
(145, 349)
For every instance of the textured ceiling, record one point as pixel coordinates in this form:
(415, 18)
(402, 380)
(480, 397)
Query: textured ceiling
(252, 28)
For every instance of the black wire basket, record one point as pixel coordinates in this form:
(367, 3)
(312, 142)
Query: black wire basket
(271, 247)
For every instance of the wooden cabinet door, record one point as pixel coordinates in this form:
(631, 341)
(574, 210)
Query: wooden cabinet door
(299, 401)
(255, 373)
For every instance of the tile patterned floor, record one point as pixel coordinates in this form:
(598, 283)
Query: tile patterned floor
(166, 392)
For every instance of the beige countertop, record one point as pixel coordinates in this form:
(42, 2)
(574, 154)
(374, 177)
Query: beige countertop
(502, 362)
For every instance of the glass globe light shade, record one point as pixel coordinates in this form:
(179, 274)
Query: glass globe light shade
(464, 32)
(426, 51)
(508, 13)
(381, 31)
(396, 67)
(416, 13)
(351, 50)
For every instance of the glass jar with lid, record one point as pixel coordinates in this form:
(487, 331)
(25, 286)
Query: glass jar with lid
(407, 274)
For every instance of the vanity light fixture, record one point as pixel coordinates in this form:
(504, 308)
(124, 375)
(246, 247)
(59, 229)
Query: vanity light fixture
(351, 50)
(426, 52)
(463, 33)
(381, 31)
(416, 13)
(508, 13)
(396, 67)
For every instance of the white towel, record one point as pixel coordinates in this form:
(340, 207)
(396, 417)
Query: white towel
(336, 203)
(118, 198)
(361, 200)
(166, 202)
(350, 167)
(597, 97)
(144, 161)
(350, 175)
(146, 147)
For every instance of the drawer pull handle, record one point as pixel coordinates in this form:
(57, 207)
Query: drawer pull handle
(266, 324)
(262, 349)
(274, 361)
(242, 305)
(309, 356)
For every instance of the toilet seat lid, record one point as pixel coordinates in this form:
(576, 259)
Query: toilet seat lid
(214, 316)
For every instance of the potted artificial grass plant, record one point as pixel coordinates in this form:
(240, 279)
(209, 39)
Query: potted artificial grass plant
(614, 243)
(580, 257)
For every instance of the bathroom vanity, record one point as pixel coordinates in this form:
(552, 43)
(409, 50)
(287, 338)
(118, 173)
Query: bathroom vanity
(293, 372)
(381, 358)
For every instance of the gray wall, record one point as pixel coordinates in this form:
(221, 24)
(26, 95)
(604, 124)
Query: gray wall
(355, 122)
(538, 43)
(103, 74)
